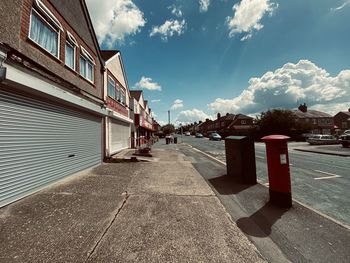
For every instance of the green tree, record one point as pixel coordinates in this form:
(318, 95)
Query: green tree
(276, 121)
(167, 129)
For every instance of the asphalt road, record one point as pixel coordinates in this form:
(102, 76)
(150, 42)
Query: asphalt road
(318, 180)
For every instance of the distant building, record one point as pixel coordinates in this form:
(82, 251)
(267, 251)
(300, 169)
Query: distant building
(342, 120)
(320, 122)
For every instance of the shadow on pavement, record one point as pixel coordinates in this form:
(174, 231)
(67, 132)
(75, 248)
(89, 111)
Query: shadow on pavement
(260, 223)
(225, 185)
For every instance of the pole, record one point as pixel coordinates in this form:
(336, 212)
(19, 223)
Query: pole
(168, 116)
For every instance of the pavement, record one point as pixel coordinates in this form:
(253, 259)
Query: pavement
(336, 149)
(159, 209)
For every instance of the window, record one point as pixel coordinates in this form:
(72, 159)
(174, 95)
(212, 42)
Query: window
(117, 93)
(122, 99)
(111, 84)
(70, 55)
(86, 65)
(43, 34)
(71, 43)
(243, 122)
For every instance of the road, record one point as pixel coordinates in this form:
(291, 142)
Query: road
(319, 181)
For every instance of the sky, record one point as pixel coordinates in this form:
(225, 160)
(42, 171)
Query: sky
(198, 58)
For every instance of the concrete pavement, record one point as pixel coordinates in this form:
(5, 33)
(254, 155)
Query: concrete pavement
(157, 211)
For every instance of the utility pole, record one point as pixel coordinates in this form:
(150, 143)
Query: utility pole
(168, 116)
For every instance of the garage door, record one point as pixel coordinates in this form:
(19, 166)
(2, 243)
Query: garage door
(41, 143)
(119, 135)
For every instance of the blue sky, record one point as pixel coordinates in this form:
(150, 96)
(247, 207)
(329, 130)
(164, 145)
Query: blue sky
(200, 57)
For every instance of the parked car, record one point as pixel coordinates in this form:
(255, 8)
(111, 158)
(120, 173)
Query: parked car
(214, 136)
(344, 139)
(199, 135)
(187, 133)
(319, 139)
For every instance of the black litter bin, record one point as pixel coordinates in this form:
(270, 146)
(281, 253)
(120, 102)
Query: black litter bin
(240, 159)
(167, 140)
(175, 139)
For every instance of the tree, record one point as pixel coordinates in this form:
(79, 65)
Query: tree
(168, 129)
(276, 121)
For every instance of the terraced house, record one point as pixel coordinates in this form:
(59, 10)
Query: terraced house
(64, 105)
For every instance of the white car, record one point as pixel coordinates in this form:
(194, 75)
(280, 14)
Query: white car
(187, 133)
(318, 139)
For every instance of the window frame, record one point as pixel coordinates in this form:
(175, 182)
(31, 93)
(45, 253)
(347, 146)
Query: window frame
(108, 79)
(88, 61)
(74, 55)
(47, 23)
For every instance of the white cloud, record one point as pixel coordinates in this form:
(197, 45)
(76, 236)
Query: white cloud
(341, 6)
(169, 29)
(190, 116)
(204, 5)
(289, 86)
(114, 20)
(147, 83)
(247, 16)
(155, 101)
(177, 104)
(176, 11)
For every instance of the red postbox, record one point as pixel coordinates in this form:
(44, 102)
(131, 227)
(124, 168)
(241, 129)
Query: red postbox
(278, 170)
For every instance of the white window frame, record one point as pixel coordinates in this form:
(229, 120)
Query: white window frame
(109, 78)
(74, 55)
(89, 59)
(243, 122)
(46, 11)
(49, 25)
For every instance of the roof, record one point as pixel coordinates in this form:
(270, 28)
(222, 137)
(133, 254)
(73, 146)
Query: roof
(311, 114)
(107, 54)
(227, 117)
(146, 102)
(136, 94)
(242, 116)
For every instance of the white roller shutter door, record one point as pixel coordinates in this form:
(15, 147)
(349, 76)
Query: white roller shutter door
(119, 135)
(41, 143)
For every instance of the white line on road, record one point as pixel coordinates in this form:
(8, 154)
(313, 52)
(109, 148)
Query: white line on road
(326, 177)
(260, 157)
(208, 155)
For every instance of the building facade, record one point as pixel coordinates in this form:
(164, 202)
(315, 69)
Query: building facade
(342, 120)
(51, 95)
(143, 121)
(117, 98)
(319, 122)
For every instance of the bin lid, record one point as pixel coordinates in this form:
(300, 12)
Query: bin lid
(235, 137)
(275, 137)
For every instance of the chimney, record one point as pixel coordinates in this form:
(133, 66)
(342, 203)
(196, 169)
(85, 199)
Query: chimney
(227, 114)
(219, 115)
(302, 107)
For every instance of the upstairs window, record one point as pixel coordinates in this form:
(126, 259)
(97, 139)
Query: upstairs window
(43, 34)
(111, 89)
(70, 46)
(86, 65)
(122, 99)
(70, 55)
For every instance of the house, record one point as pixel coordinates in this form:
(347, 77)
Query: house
(342, 120)
(143, 123)
(116, 95)
(240, 125)
(320, 122)
(51, 94)
(206, 127)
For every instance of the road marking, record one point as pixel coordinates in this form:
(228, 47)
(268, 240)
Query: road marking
(208, 155)
(326, 177)
(260, 157)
